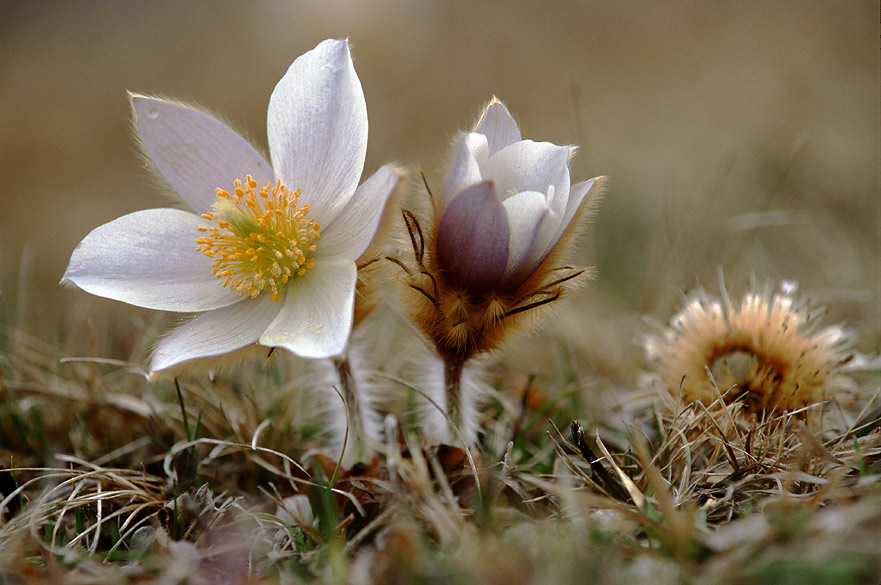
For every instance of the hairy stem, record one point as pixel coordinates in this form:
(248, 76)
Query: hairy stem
(455, 402)
(350, 392)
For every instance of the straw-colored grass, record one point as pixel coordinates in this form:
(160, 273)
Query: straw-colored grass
(108, 479)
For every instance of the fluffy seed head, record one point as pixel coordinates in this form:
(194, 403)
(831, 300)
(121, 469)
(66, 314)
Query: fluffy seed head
(768, 351)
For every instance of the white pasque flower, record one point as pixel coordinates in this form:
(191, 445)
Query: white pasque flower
(506, 203)
(268, 250)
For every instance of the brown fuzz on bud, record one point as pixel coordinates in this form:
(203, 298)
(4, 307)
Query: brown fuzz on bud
(461, 322)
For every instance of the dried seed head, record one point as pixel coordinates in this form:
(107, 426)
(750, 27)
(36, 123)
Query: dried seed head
(767, 351)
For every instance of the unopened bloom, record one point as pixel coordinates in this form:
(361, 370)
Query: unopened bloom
(267, 250)
(768, 351)
(502, 224)
(506, 204)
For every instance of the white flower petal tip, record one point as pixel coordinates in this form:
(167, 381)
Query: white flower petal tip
(272, 263)
(584, 199)
(317, 128)
(596, 186)
(498, 126)
(193, 151)
(148, 259)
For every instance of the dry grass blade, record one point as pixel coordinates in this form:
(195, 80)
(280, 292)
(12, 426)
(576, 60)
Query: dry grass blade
(636, 496)
(608, 482)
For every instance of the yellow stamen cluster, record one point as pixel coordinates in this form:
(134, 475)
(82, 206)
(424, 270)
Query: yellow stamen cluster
(261, 240)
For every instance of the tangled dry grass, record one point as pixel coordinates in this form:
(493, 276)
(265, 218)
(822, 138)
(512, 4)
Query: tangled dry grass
(109, 479)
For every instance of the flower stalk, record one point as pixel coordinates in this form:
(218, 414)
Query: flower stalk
(455, 402)
(354, 402)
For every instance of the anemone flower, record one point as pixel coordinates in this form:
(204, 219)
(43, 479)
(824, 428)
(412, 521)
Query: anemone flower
(503, 222)
(266, 251)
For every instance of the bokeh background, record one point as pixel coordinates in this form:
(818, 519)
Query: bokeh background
(740, 135)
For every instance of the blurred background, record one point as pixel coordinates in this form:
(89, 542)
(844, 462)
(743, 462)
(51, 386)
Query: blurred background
(740, 135)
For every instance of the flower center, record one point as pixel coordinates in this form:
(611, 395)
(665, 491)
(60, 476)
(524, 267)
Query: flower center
(261, 240)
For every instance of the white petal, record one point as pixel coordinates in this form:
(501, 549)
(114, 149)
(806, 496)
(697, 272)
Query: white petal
(194, 152)
(217, 332)
(530, 166)
(351, 232)
(498, 126)
(576, 197)
(317, 128)
(149, 259)
(531, 224)
(469, 152)
(316, 318)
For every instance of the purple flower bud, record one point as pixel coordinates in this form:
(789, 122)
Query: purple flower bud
(472, 239)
